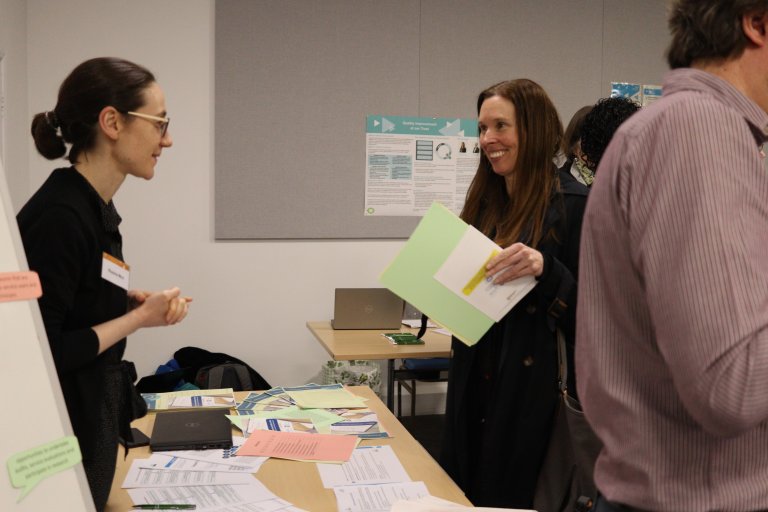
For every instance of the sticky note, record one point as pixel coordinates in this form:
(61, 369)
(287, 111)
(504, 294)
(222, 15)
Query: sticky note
(30, 467)
(19, 286)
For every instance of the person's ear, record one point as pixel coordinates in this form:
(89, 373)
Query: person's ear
(110, 122)
(755, 26)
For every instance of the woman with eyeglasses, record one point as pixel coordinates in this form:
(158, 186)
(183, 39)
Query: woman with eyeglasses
(109, 122)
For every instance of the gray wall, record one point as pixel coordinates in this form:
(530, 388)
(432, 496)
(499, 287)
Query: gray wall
(291, 100)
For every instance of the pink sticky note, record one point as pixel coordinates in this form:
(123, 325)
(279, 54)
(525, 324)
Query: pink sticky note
(296, 446)
(19, 286)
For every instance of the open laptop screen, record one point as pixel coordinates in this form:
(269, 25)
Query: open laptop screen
(367, 308)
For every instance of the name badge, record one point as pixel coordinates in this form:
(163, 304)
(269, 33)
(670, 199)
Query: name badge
(115, 271)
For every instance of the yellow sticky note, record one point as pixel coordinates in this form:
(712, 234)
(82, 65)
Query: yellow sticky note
(29, 467)
(19, 286)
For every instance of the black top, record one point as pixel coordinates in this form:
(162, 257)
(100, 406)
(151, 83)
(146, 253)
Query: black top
(66, 227)
(64, 237)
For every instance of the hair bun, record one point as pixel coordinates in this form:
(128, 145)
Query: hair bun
(47, 135)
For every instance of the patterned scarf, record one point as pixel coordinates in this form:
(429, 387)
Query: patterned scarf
(585, 174)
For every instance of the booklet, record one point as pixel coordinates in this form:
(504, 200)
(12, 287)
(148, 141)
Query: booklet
(190, 399)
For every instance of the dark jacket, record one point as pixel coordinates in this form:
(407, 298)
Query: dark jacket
(502, 392)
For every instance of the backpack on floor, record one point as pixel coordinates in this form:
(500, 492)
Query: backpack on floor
(225, 375)
(194, 359)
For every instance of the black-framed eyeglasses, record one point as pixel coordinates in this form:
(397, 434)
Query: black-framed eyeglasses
(163, 122)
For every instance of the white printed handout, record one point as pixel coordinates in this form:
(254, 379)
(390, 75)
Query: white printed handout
(375, 498)
(206, 497)
(172, 463)
(220, 456)
(367, 465)
(273, 505)
(151, 477)
(463, 272)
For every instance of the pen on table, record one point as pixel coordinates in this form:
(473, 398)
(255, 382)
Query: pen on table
(165, 506)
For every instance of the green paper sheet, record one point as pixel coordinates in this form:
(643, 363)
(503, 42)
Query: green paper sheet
(410, 275)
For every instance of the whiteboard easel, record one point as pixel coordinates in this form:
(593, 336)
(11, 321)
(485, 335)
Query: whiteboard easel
(33, 406)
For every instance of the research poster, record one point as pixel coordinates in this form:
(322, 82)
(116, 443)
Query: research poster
(414, 161)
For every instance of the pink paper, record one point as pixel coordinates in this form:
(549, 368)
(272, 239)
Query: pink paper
(19, 286)
(296, 446)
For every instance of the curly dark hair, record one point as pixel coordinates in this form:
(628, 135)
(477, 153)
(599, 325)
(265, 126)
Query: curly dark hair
(601, 123)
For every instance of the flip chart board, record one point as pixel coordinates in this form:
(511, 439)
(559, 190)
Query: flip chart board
(39, 452)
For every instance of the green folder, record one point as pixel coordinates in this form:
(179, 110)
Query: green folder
(410, 275)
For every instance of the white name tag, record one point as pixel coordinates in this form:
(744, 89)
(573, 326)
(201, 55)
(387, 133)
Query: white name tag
(115, 271)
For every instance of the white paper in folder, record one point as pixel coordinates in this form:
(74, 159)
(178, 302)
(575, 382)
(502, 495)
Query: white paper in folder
(463, 272)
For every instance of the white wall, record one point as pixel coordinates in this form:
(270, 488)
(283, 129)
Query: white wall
(251, 299)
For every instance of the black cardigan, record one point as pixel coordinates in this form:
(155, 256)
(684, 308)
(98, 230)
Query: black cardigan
(65, 235)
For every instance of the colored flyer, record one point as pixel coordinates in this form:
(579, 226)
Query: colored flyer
(19, 286)
(412, 162)
(296, 446)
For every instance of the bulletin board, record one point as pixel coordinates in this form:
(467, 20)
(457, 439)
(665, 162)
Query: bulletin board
(295, 80)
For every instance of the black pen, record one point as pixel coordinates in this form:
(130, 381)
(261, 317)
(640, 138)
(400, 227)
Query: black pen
(166, 506)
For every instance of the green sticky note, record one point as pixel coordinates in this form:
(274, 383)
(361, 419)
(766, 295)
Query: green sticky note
(29, 467)
(240, 422)
(410, 275)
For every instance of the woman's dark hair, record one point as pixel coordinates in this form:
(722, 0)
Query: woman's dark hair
(489, 207)
(91, 86)
(704, 30)
(601, 123)
(573, 132)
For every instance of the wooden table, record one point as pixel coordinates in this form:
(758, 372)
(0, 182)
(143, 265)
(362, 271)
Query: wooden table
(299, 482)
(348, 344)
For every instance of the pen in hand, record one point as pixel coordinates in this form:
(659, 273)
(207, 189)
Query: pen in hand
(165, 506)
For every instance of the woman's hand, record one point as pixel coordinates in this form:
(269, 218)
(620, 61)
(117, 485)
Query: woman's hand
(163, 308)
(147, 309)
(178, 308)
(515, 261)
(136, 298)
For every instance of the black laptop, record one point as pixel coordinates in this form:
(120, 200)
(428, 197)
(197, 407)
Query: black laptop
(200, 429)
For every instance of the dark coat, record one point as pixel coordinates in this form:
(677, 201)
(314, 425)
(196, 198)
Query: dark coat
(502, 392)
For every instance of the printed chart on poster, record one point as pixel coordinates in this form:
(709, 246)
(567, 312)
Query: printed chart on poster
(414, 161)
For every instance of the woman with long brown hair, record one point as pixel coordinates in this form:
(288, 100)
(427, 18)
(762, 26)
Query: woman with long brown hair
(502, 392)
